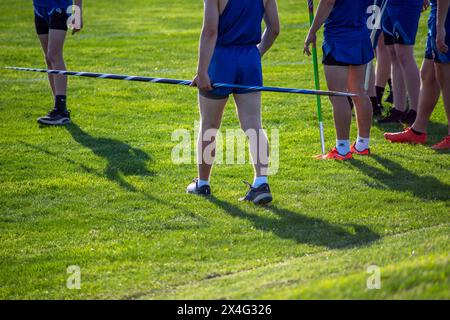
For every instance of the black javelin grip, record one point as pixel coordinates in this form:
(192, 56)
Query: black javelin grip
(184, 82)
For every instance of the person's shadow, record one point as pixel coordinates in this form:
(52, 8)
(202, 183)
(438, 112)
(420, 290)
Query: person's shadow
(288, 224)
(123, 159)
(396, 177)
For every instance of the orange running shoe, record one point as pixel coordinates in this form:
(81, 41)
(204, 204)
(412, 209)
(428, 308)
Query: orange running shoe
(365, 152)
(334, 154)
(407, 136)
(443, 145)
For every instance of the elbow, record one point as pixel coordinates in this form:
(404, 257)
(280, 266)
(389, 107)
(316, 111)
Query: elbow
(209, 34)
(275, 31)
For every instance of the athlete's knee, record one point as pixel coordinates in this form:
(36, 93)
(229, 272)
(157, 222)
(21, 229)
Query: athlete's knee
(428, 76)
(54, 57)
(404, 57)
(251, 123)
(208, 123)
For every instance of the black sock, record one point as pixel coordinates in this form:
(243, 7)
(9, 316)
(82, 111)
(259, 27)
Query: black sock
(374, 101)
(417, 132)
(60, 103)
(380, 94)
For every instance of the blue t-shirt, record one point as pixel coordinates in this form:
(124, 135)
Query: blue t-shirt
(240, 23)
(347, 19)
(53, 3)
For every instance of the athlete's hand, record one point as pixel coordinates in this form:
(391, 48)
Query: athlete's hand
(202, 81)
(426, 4)
(310, 39)
(440, 40)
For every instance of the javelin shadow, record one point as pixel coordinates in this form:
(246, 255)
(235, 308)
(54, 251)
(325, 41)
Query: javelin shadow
(401, 179)
(303, 229)
(123, 159)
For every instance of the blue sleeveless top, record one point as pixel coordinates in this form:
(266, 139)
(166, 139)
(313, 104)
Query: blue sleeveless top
(240, 23)
(53, 3)
(348, 19)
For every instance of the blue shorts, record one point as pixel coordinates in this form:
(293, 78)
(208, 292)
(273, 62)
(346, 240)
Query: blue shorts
(239, 65)
(46, 18)
(400, 24)
(432, 53)
(347, 52)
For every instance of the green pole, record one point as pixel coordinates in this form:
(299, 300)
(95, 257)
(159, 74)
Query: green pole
(316, 79)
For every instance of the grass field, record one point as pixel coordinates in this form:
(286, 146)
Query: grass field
(103, 193)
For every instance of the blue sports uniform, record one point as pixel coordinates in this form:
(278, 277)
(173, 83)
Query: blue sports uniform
(431, 51)
(236, 58)
(346, 37)
(401, 21)
(50, 14)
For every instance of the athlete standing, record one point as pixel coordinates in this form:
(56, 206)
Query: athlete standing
(50, 17)
(435, 76)
(346, 52)
(231, 47)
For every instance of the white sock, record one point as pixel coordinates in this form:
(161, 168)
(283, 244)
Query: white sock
(362, 143)
(259, 181)
(343, 147)
(201, 183)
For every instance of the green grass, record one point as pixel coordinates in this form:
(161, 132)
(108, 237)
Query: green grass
(104, 194)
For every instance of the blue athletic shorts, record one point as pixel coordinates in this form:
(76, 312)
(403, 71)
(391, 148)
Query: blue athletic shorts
(234, 65)
(432, 53)
(46, 18)
(347, 51)
(400, 24)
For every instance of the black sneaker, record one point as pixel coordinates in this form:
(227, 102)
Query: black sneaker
(194, 189)
(259, 196)
(395, 116)
(410, 117)
(378, 110)
(55, 118)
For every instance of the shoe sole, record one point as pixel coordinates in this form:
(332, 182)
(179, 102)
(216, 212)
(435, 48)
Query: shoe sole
(263, 199)
(59, 122)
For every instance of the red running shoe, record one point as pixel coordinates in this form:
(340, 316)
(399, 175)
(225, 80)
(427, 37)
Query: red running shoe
(334, 154)
(443, 145)
(365, 152)
(407, 136)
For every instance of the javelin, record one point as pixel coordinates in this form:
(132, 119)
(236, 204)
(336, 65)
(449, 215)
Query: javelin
(184, 82)
(372, 40)
(316, 79)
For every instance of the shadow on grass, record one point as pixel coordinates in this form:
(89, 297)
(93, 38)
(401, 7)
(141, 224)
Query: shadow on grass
(123, 159)
(303, 229)
(396, 177)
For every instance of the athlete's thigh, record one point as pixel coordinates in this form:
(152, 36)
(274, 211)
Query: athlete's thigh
(56, 39)
(211, 110)
(356, 76)
(248, 105)
(337, 77)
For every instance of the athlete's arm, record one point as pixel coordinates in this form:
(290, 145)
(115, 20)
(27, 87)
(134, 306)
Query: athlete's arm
(443, 7)
(323, 11)
(208, 40)
(78, 3)
(272, 31)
